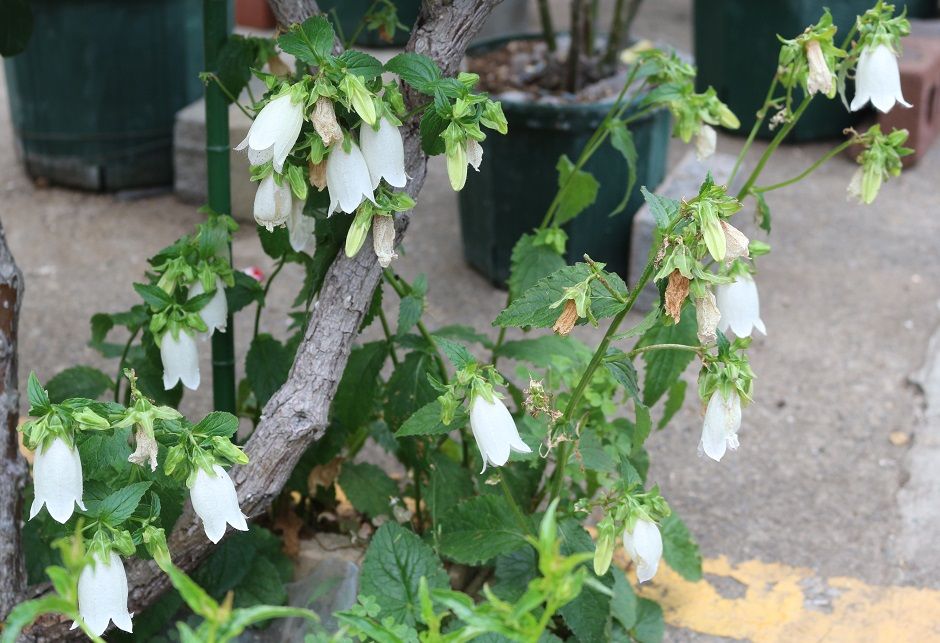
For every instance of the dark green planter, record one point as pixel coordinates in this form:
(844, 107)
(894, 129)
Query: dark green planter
(517, 181)
(351, 13)
(94, 95)
(736, 51)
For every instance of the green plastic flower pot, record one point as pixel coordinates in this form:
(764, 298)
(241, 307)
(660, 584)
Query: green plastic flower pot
(94, 96)
(517, 180)
(736, 51)
(348, 14)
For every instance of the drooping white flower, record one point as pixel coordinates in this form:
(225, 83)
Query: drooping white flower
(301, 228)
(722, 421)
(347, 179)
(645, 546)
(214, 313)
(102, 595)
(274, 132)
(739, 306)
(736, 242)
(705, 142)
(877, 79)
(495, 431)
(820, 78)
(180, 357)
(57, 481)
(272, 203)
(216, 503)
(384, 153)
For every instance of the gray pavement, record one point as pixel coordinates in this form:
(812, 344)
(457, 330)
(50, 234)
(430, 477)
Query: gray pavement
(850, 297)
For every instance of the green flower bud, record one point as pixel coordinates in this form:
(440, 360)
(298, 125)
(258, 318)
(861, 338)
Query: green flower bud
(359, 97)
(493, 117)
(359, 229)
(604, 550)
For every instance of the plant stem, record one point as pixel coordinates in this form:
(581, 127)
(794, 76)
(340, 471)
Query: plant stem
(500, 339)
(388, 337)
(402, 290)
(520, 517)
(620, 28)
(120, 369)
(548, 28)
(665, 347)
(772, 147)
(267, 287)
(599, 275)
(362, 25)
(802, 175)
(228, 94)
(761, 115)
(576, 33)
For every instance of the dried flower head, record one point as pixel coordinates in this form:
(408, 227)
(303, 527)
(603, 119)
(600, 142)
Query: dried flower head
(676, 292)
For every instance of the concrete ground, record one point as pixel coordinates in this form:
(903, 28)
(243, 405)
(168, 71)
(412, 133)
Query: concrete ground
(834, 493)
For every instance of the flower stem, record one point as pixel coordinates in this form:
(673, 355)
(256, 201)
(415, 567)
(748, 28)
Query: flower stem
(402, 290)
(599, 275)
(664, 347)
(761, 115)
(520, 517)
(267, 287)
(388, 337)
(802, 175)
(120, 369)
(360, 26)
(228, 94)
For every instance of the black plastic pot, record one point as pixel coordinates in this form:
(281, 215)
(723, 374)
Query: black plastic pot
(517, 180)
(736, 51)
(351, 12)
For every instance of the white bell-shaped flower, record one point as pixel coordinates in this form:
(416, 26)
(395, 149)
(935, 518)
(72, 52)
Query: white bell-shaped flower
(216, 503)
(214, 313)
(57, 481)
(877, 79)
(274, 132)
(645, 546)
(102, 595)
(495, 431)
(722, 421)
(384, 153)
(739, 306)
(301, 228)
(273, 203)
(347, 179)
(180, 357)
(705, 142)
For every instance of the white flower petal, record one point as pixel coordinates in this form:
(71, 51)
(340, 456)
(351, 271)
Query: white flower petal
(739, 305)
(705, 142)
(878, 79)
(347, 179)
(275, 129)
(57, 481)
(214, 313)
(645, 546)
(494, 431)
(301, 228)
(215, 501)
(722, 421)
(384, 154)
(102, 595)
(273, 203)
(180, 358)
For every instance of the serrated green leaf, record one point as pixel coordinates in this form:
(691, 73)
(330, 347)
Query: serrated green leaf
(679, 548)
(427, 421)
(622, 140)
(623, 604)
(267, 366)
(462, 333)
(360, 63)
(449, 483)
(623, 370)
(78, 381)
(311, 41)
(410, 310)
(234, 62)
(417, 70)
(458, 355)
(358, 387)
(368, 488)
(546, 351)
(531, 262)
(38, 399)
(432, 126)
(217, 423)
(155, 297)
(118, 506)
(642, 426)
(588, 614)
(533, 307)
(664, 367)
(480, 529)
(247, 290)
(394, 564)
(673, 402)
(581, 190)
(650, 626)
(663, 209)
(408, 388)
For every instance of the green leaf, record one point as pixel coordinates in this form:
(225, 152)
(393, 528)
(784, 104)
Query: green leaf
(368, 488)
(458, 355)
(118, 506)
(427, 421)
(663, 209)
(622, 140)
(16, 26)
(267, 366)
(28, 611)
(247, 290)
(588, 614)
(449, 483)
(217, 423)
(649, 627)
(394, 564)
(532, 308)
(664, 367)
(78, 381)
(546, 351)
(531, 262)
(763, 211)
(466, 334)
(480, 529)
(623, 604)
(235, 60)
(673, 402)
(513, 573)
(679, 549)
(155, 297)
(623, 370)
(642, 427)
(311, 41)
(358, 387)
(265, 586)
(409, 312)
(361, 64)
(104, 455)
(408, 388)
(38, 398)
(580, 193)
(432, 126)
(417, 70)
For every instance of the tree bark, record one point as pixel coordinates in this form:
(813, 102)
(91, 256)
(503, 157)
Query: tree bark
(298, 414)
(13, 470)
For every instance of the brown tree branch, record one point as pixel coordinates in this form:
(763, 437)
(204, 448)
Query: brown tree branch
(13, 469)
(298, 414)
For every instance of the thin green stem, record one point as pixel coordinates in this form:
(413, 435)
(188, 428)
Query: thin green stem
(388, 337)
(267, 287)
(772, 147)
(666, 347)
(761, 115)
(500, 339)
(402, 290)
(520, 517)
(599, 275)
(120, 369)
(228, 94)
(812, 168)
(548, 28)
(362, 25)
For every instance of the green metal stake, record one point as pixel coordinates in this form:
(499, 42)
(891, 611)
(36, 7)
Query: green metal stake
(215, 33)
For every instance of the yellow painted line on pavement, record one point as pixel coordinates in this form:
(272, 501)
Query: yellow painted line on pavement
(772, 607)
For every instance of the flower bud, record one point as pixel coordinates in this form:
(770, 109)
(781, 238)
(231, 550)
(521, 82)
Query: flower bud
(383, 239)
(604, 549)
(644, 544)
(359, 97)
(215, 501)
(356, 236)
(324, 122)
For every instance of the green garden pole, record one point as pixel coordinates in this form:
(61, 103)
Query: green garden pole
(215, 33)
